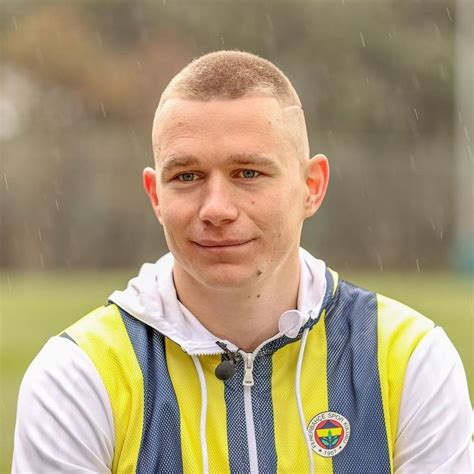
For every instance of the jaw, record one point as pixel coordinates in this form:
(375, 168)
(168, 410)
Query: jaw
(219, 276)
(236, 273)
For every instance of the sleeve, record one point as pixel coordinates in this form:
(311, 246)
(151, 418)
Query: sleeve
(64, 419)
(436, 420)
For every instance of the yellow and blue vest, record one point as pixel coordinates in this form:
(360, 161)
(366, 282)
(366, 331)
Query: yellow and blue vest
(354, 363)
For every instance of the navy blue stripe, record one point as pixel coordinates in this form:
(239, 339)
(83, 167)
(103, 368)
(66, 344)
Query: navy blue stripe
(160, 449)
(236, 426)
(353, 379)
(262, 407)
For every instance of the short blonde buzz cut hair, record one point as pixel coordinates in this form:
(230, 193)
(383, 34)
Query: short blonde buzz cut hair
(230, 75)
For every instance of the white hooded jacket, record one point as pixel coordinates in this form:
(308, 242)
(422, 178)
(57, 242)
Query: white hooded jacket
(64, 418)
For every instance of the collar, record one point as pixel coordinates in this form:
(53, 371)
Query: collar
(151, 297)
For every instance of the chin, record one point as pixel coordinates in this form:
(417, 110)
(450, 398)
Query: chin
(227, 276)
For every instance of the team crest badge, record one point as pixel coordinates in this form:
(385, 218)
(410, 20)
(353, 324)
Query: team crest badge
(329, 433)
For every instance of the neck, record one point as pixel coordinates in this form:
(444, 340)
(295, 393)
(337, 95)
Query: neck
(244, 316)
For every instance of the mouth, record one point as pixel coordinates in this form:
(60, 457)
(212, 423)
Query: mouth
(221, 244)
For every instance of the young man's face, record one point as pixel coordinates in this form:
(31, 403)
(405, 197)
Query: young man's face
(231, 193)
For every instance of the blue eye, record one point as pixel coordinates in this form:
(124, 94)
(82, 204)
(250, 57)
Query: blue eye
(186, 177)
(249, 174)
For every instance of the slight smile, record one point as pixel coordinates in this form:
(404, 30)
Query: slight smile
(221, 244)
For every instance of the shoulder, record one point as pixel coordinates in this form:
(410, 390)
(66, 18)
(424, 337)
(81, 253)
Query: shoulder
(63, 414)
(111, 337)
(396, 315)
(58, 359)
(394, 320)
(434, 407)
(103, 331)
(433, 364)
(364, 307)
(63, 371)
(100, 321)
(400, 330)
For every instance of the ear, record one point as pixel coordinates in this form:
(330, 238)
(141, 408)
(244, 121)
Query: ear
(317, 179)
(149, 183)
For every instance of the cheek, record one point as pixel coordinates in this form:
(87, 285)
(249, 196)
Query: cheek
(286, 209)
(173, 226)
(173, 213)
(279, 221)
(284, 222)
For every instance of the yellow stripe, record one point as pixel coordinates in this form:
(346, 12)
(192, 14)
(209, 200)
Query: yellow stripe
(289, 438)
(314, 381)
(188, 393)
(400, 331)
(104, 338)
(216, 418)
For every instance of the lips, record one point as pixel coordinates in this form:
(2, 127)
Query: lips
(221, 243)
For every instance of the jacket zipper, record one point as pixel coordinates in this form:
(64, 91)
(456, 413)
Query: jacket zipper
(248, 383)
(248, 369)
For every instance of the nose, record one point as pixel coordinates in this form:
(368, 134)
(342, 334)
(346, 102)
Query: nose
(218, 204)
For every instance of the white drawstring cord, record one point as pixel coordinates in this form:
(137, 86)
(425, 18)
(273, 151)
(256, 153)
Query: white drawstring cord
(202, 381)
(298, 399)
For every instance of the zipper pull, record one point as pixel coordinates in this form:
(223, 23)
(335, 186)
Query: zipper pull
(248, 368)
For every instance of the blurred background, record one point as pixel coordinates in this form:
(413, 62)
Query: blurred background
(387, 91)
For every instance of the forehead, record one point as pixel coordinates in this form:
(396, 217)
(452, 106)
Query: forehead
(257, 121)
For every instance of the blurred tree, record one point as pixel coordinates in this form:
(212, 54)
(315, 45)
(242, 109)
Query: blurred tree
(375, 78)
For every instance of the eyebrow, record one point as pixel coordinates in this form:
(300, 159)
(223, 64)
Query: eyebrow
(174, 162)
(242, 159)
(252, 159)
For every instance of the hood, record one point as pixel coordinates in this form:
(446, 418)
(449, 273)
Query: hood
(151, 298)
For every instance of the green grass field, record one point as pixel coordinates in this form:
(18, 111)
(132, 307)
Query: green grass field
(36, 306)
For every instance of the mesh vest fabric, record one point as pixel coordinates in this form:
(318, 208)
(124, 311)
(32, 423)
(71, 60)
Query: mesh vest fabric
(355, 359)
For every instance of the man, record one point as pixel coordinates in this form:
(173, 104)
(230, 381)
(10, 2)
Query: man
(238, 350)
